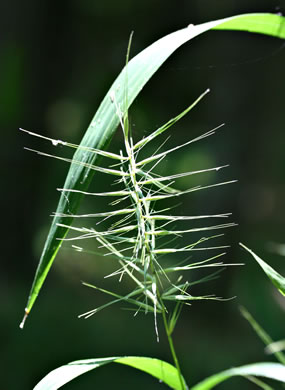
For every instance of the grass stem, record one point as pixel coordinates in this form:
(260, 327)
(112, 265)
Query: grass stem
(172, 349)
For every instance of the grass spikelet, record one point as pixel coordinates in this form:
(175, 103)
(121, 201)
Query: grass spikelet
(137, 232)
(134, 229)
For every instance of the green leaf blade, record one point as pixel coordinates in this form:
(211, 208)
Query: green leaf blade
(268, 24)
(277, 280)
(64, 374)
(274, 371)
(159, 369)
(98, 135)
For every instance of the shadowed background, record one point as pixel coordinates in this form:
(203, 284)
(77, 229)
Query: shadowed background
(57, 61)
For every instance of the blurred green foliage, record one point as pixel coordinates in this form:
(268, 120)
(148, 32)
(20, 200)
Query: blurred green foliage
(57, 61)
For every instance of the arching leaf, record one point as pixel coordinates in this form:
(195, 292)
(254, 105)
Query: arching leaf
(161, 370)
(102, 127)
(267, 370)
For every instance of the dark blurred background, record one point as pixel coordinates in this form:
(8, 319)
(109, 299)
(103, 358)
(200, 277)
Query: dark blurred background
(58, 59)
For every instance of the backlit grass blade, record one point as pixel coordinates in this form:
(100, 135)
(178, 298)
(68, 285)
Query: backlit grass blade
(266, 370)
(123, 91)
(269, 24)
(159, 369)
(277, 279)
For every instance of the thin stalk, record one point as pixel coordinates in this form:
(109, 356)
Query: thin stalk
(172, 349)
(168, 334)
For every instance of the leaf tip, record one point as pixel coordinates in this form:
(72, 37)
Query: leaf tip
(24, 318)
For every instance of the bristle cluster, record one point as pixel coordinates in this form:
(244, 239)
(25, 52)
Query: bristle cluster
(132, 237)
(138, 225)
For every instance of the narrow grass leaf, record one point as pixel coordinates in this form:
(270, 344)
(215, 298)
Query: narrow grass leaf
(274, 371)
(159, 369)
(269, 24)
(102, 127)
(277, 279)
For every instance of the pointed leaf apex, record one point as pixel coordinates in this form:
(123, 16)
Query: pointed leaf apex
(24, 318)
